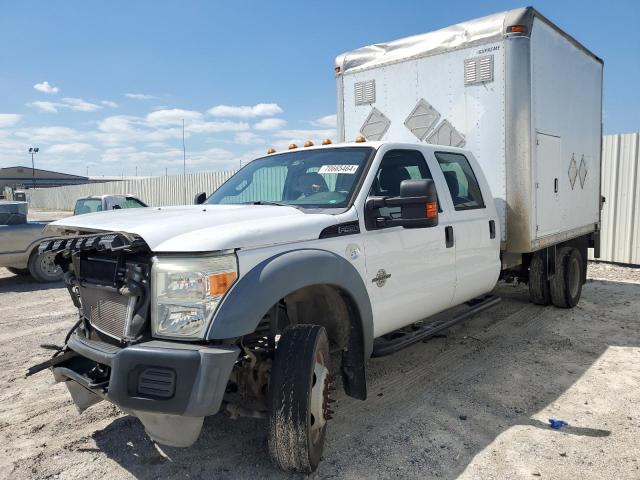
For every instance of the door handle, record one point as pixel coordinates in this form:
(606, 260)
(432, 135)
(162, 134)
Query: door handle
(555, 185)
(448, 236)
(492, 229)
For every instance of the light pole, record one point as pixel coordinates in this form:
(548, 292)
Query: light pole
(33, 151)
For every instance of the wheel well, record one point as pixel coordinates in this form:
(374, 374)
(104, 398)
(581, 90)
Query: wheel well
(323, 305)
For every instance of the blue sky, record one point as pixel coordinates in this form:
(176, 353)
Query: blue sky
(105, 84)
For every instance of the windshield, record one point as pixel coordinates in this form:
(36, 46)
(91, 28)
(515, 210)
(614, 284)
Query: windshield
(311, 179)
(87, 205)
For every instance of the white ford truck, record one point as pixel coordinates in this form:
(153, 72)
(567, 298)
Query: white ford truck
(344, 251)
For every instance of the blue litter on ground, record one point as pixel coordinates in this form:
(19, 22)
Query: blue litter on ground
(557, 424)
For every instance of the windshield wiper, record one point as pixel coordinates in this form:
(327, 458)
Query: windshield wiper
(267, 202)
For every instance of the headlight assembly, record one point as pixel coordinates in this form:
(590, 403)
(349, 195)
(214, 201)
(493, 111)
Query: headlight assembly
(186, 291)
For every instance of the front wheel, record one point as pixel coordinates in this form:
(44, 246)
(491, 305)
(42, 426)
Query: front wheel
(43, 269)
(299, 398)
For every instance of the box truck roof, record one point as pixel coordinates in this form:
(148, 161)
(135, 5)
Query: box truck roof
(479, 31)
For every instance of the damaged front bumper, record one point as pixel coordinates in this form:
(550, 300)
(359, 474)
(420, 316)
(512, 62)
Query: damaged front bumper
(169, 386)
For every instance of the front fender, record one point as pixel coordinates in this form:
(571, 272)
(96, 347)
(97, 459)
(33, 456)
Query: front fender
(274, 278)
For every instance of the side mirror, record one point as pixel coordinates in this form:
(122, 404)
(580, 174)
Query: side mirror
(418, 202)
(200, 198)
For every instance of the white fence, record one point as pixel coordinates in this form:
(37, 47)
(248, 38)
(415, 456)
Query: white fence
(620, 241)
(620, 186)
(155, 191)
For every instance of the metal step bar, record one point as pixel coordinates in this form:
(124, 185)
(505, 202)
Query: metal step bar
(406, 336)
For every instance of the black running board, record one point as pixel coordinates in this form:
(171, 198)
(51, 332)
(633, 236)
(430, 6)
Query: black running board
(412, 334)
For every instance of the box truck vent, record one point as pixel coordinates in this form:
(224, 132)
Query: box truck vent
(422, 119)
(375, 126)
(365, 92)
(445, 134)
(478, 70)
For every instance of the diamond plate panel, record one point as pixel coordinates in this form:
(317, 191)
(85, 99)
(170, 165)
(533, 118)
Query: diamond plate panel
(573, 171)
(582, 172)
(375, 126)
(422, 119)
(446, 134)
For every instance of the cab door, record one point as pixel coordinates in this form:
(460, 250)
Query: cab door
(472, 226)
(410, 271)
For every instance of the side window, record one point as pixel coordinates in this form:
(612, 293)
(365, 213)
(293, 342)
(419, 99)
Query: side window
(131, 202)
(396, 166)
(461, 181)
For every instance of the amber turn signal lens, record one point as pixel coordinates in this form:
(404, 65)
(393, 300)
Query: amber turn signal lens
(308, 143)
(270, 151)
(326, 141)
(360, 139)
(432, 209)
(219, 283)
(292, 146)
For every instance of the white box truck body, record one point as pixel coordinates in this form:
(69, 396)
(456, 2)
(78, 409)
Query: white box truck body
(521, 94)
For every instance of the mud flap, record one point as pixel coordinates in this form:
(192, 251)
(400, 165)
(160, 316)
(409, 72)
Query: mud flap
(171, 430)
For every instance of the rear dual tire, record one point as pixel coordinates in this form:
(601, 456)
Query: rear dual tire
(565, 287)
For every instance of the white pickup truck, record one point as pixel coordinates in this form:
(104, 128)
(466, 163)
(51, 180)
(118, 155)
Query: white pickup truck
(325, 252)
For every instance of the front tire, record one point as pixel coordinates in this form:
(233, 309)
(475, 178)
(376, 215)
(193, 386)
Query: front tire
(538, 283)
(299, 401)
(43, 269)
(566, 284)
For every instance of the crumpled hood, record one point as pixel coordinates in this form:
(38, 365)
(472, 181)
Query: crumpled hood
(204, 228)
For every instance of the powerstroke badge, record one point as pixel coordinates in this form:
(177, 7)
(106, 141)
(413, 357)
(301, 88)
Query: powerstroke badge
(381, 277)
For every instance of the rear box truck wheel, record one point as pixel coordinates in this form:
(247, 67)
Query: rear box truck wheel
(566, 284)
(299, 401)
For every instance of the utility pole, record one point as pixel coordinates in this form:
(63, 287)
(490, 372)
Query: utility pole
(136, 170)
(184, 168)
(33, 151)
(87, 171)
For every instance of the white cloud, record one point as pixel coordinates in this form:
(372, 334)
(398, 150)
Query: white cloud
(326, 121)
(246, 111)
(49, 107)
(247, 138)
(51, 134)
(215, 127)
(139, 96)
(270, 124)
(173, 116)
(109, 103)
(69, 148)
(79, 105)
(9, 119)
(46, 87)
(71, 103)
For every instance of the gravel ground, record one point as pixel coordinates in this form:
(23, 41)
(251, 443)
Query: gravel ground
(472, 403)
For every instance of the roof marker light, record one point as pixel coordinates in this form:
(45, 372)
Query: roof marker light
(270, 151)
(308, 143)
(517, 29)
(360, 139)
(326, 141)
(292, 146)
